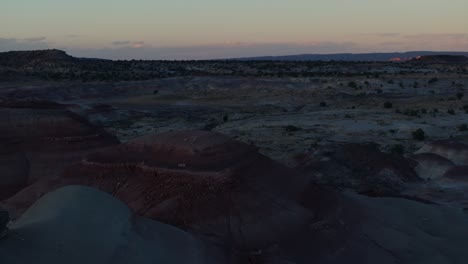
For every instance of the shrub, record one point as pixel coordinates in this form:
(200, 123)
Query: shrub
(411, 112)
(387, 105)
(291, 128)
(462, 128)
(419, 134)
(460, 95)
(225, 118)
(397, 149)
(352, 85)
(323, 104)
(451, 111)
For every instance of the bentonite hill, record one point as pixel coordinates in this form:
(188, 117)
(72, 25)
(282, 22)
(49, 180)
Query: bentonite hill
(233, 161)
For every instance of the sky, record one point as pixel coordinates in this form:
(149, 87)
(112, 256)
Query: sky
(210, 29)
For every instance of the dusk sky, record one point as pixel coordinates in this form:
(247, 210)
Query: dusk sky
(206, 29)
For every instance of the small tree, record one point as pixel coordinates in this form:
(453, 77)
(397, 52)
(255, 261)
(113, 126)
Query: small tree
(397, 149)
(291, 128)
(352, 85)
(388, 105)
(419, 134)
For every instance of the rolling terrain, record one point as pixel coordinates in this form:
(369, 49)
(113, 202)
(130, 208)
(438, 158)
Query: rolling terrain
(233, 161)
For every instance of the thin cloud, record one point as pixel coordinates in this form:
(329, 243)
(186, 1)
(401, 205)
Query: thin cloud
(36, 39)
(392, 43)
(455, 36)
(74, 36)
(128, 43)
(138, 44)
(386, 35)
(121, 43)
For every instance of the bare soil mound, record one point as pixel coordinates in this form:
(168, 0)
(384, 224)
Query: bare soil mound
(77, 224)
(38, 140)
(183, 178)
(456, 152)
(431, 166)
(254, 209)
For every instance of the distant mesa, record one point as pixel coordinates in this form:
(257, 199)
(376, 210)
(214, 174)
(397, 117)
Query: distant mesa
(20, 59)
(370, 57)
(37, 57)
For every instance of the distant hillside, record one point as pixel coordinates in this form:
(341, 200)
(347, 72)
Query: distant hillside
(55, 65)
(395, 56)
(18, 59)
(440, 59)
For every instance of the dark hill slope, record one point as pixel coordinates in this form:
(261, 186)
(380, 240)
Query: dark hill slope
(441, 59)
(18, 59)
